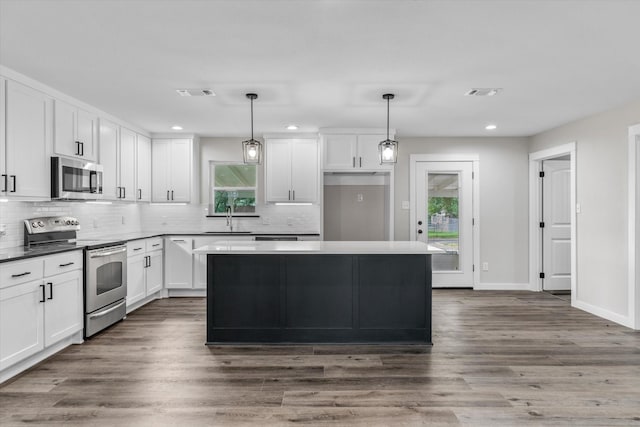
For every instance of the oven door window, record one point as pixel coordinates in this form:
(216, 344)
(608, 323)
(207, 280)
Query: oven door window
(109, 277)
(79, 180)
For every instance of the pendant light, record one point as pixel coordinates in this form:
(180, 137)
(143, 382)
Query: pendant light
(251, 148)
(388, 149)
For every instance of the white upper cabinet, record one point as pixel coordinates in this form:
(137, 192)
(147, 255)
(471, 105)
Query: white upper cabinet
(143, 171)
(127, 158)
(348, 152)
(291, 170)
(75, 131)
(109, 151)
(171, 170)
(121, 154)
(26, 167)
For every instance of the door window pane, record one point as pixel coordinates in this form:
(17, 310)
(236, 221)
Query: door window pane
(442, 219)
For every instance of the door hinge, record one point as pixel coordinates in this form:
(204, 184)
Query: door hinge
(542, 225)
(473, 221)
(473, 267)
(541, 174)
(473, 175)
(542, 275)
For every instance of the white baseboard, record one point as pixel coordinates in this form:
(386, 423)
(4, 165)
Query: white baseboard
(503, 287)
(187, 293)
(605, 314)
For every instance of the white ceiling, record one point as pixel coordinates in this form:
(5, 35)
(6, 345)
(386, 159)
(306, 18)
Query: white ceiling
(321, 63)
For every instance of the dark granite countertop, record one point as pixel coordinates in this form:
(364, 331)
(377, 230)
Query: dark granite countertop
(20, 252)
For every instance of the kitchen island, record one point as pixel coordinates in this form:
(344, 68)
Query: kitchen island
(310, 291)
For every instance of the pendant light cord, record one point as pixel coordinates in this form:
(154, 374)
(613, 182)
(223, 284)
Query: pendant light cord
(387, 118)
(252, 119)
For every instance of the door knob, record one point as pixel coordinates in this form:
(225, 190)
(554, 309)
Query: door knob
(419, 231)
(419, 222)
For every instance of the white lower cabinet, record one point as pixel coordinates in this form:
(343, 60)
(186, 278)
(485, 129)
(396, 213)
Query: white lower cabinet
(144, 269)
(38, 310)
(178, 265)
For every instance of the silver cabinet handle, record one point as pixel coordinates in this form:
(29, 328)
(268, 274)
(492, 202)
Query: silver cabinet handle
(294, 195)
(354, 162)
(167, 194)
(360, 161)
(289, 197)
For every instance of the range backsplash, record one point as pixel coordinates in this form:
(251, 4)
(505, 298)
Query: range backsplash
(100, 220)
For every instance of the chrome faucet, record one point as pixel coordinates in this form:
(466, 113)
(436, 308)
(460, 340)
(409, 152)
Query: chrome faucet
(230, 217)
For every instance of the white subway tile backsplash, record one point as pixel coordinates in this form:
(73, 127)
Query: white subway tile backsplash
(99, 220)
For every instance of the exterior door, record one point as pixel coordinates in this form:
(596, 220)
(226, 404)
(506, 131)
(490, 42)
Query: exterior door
(556, 233)
(444, 215)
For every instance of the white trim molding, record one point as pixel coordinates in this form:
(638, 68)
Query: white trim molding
(605, 314)
(475, 158)
(634, 255)
(535, 237)
(503, 287)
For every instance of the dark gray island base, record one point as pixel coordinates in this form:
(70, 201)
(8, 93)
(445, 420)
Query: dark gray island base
(318, 298)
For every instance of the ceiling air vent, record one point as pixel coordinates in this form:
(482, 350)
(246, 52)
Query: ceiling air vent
(195, 92)
(487, 91)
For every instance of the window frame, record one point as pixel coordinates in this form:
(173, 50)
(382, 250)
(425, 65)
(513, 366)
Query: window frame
(212, 189)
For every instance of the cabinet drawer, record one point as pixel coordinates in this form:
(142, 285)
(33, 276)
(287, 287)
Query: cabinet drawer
(61, 263)
(12, 273)
(154, 244)
(136, 247)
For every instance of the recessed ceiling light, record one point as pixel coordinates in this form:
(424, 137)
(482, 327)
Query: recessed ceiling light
(491, 127)
(176, 127)
(292, 127)
(195, 92)
(484, 91)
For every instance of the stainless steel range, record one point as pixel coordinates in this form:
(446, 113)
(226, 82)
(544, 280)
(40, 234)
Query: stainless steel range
(105, 287)
(105, 268)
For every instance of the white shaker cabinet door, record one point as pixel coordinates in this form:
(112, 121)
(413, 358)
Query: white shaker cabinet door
(278, 170)
(28, 141)
(109, 141)
(63, 307)
(304, 170)
(127, 165)
(160, 170)
(21, 322)
(143, 170)
(178, 269)
(64, 124)
(86, 133)
(154, 272)
(368, 157)
(340, 152)
(180, 170)
(136, 289)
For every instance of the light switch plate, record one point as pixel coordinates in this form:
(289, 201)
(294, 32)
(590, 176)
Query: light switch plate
(405, 205)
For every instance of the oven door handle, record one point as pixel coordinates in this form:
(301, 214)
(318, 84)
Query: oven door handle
(103, 313)
(104, 254)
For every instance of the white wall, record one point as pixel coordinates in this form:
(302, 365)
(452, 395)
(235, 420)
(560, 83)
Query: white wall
(602, 185)
(503, 175)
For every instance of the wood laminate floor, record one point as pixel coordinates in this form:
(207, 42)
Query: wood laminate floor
(499, 358)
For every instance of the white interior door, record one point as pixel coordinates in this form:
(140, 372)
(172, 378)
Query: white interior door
(444, 215)
(556, 233)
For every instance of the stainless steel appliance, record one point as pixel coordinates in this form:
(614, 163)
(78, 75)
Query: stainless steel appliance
(75, 179)
(276, 238)
(105, 286)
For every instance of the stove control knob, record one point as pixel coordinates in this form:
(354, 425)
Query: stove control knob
(34, 224)
(68, 222)
(40, 224)
(76, 222)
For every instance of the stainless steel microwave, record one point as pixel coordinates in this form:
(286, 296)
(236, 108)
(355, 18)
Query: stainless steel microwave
(75, 179)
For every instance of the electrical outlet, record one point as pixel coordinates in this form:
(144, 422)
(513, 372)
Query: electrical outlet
(405, 205)
(485, 266)
(124, 221)
(290, 220)
(266, 220)
(95, 223)
(360, 197)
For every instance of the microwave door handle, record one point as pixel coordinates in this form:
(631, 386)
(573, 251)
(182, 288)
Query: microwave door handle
(93, 188)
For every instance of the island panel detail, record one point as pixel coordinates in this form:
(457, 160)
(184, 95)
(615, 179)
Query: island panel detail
(312, 298)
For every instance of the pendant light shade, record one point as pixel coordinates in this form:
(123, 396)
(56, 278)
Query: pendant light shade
(388, 149)
(251, 148)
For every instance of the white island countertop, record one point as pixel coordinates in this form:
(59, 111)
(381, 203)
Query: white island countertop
(315, 247)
